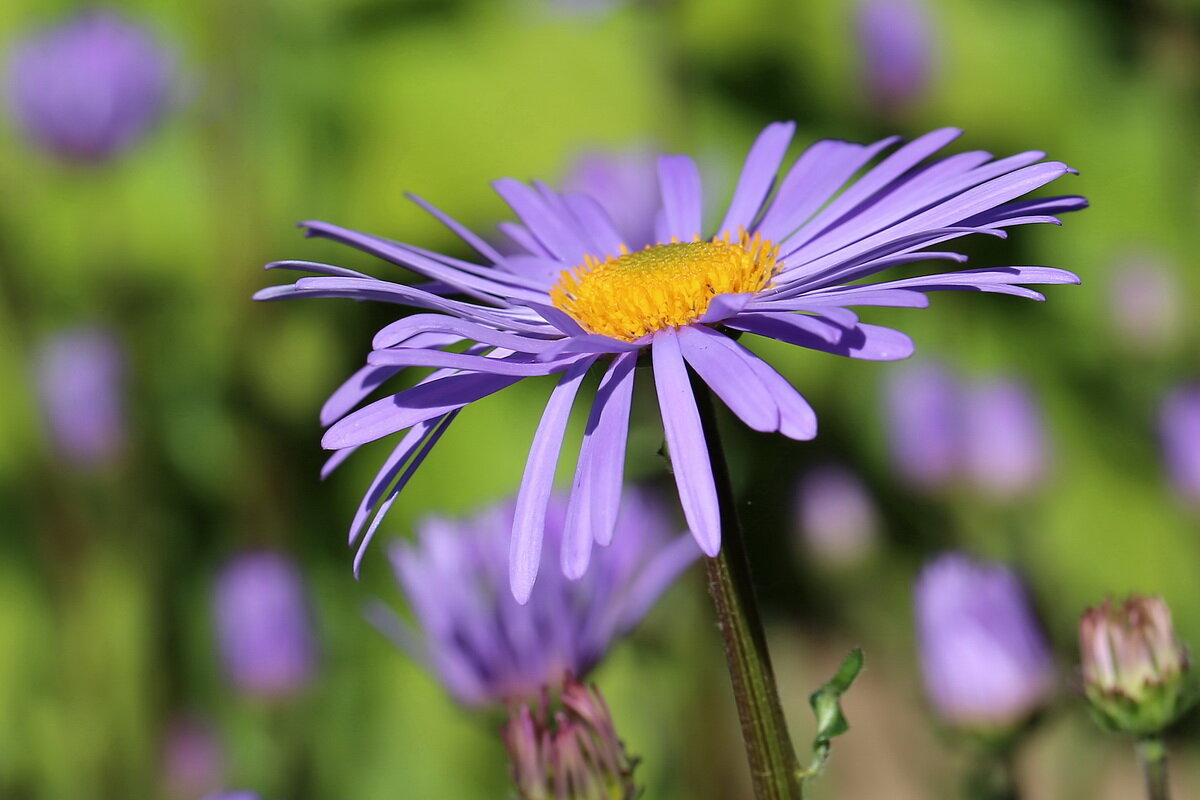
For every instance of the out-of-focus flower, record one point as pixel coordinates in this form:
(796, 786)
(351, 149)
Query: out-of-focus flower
(233, 795)
(924, 410)
(80, 379)
(572, 753)
(986, 664)
(1179, 430)
(896, 50)
(1146, 299)
(784, 264)
(625, 186)
(193, 764)
(89, 88)
(486, 648)
(1004, 440)
(836, 517)
(1136, 673)
(264, 624)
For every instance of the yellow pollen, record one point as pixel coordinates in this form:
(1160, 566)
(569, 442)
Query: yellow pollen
(664, 286)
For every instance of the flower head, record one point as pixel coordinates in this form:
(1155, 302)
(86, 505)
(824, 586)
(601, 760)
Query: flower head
(1179, 429)
(1004, 441)
(895, 42)
(783, 265)
(835, 515)
(986, 663)
(572, 753)
(80, 378)
(264, 624)
(1135, 670)
(485, 647)
(89, 88)
(924, 409)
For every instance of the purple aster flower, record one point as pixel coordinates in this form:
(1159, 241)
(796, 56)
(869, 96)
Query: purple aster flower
(984, 657)
(1146, 304)
(80, 378)
(835, 514)
(89, 88)
(924, 410)
(1004, 441)
(625, 186)
(783, 265)
(193, 764)
(486, 648)
(264, 625)
(1179, 428)
(895, 43)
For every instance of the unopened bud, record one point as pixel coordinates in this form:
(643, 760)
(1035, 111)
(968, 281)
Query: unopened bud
(1136, 673)
(569, 751)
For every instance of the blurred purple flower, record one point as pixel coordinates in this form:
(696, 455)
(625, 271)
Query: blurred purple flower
(264, 624)
(895, 43)
(1004, 442)
(233, 795)
(624, 183)
(836, 517)
(924, 408)
(984, 658)
(1179, 429)
(80, 380)
(89, 88)
(1146, 303)
(192, 759)
(485, 647)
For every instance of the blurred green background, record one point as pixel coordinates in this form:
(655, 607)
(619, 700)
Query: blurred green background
(331, 109)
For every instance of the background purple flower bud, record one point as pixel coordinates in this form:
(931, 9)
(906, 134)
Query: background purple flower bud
(624, 184)
(90, 87)
(1004, 441)
(895, 43)
(1146, 303)
(484, 646)
(984, 658)
(924, 410)
(1179, 428)
(192, 760)
(836, 518)
(80, 380)
(264, 625)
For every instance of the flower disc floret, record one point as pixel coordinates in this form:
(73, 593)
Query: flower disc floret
(663, 286)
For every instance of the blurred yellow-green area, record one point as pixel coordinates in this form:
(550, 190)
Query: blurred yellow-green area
(332, 110)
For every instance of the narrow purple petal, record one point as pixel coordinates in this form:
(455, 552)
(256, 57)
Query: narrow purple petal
(530, 518)
(758, 176)
(605, 440)
(685, 441)
(409, 357)
(682, 196)
(729, 377)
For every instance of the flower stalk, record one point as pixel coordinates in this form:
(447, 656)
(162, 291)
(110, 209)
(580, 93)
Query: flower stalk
(1152, 753)
(769, 751)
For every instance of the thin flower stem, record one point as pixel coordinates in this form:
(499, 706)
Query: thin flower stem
(773, 765)
(1153, 754)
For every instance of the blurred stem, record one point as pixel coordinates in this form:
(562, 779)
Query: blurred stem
(993, 777)
(1153, 755)
(773, 765)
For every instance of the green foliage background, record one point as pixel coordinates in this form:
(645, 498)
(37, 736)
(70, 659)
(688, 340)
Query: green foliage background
(332, 109)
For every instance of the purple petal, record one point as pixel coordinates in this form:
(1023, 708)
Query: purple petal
(356, 388)
(758, 176)
(682, 195)
(729, 377)
(605, 440)
(403, 329)
(530, 517)
(685, 441)
(439, 358)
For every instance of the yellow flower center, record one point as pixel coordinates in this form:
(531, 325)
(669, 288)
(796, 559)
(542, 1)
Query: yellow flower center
(664, 286)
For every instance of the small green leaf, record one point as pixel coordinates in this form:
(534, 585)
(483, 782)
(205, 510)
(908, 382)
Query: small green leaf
(826, 705)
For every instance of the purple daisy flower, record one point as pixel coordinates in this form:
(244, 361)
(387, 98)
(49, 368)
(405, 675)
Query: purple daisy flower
(1005, 446)
(80, 376)
(486, 648)
(984, 657)
(264, 624)
(1179, 431)
(895, 41)
(783, 265)
(89, 88)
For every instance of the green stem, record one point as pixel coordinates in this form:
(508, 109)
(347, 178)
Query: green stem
(993, 777)
(773, 765)
(1153, 755)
